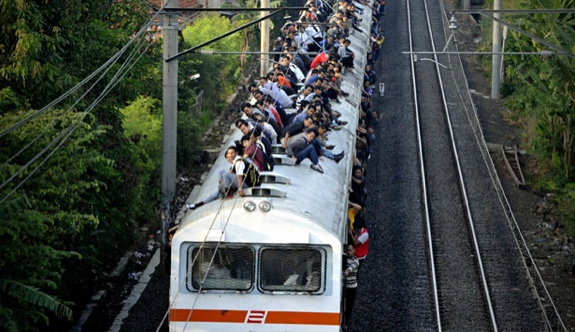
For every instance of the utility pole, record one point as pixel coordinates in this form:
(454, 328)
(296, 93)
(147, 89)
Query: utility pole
(170, 119)
(265, 38)
(496, 60)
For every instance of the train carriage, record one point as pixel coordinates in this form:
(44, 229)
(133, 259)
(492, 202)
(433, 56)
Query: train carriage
(271, 260)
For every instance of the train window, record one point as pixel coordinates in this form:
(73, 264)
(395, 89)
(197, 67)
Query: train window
(299, 270)
(224, 268)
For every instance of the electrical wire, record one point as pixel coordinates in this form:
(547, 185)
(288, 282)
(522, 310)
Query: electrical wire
(64, 135)
(56, 101)
(68, 131)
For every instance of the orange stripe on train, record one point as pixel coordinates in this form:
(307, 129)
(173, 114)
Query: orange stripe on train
(199, 315)
(239, 316)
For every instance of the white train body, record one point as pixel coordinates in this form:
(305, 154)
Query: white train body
(279, 270)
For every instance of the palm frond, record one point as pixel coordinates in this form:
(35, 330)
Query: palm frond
(35, 297)
(14, 206)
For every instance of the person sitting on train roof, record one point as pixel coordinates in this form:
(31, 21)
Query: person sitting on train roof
(320, 145)
(258, 95)
(264, 121)
(269, 113)
(320, 58)
(270, 89)
(302, 148)
(275, 108)
(370, 75)
(253, 118)
(309, 110)
(328, 43)
(299, 59)
(285, 62)
(289, 74)
(346, 56)
(294, 129)
(252, 152)
(277, 77)
(306, 95)
(229, 180)
(261, 140)
(367, 89)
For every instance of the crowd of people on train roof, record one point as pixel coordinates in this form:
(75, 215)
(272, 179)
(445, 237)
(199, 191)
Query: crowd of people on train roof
(293, 107)
(293, 102)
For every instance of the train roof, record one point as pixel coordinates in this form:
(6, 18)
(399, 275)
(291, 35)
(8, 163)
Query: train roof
(319, 198)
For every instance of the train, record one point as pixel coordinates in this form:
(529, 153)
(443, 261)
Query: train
(272, 259)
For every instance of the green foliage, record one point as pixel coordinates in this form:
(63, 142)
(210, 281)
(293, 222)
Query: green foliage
(84, 202)
(143, 125)
(566, 204)
(539, 91)
(218, 71)
(22, 303)
(190, 130)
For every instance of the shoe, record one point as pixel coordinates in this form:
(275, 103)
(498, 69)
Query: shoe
(336, 114)
(341, 123)
(338, 157)
(317, 168)
(330, 147)
(191, 206)
(337, 128)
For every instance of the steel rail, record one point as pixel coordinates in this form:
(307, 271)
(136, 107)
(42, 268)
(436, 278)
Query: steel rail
(460, 173)
(422, 173)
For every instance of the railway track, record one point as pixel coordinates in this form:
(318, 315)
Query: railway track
(456, 266)
(443, 244)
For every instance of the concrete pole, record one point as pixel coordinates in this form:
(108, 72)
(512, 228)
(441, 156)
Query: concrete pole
(265, 38)
(170, 118)
(465, 4)
(496, 60)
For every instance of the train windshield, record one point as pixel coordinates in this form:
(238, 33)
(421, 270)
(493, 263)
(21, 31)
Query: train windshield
(292, 270)
(224, 268)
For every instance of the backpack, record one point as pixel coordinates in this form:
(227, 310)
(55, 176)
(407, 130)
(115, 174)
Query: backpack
(266, 148)
(251, 174)
(269, 162)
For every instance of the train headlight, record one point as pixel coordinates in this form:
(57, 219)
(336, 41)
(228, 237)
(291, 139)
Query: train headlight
(265, 206)
(249, 206)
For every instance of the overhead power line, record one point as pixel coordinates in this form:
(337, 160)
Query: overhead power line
(64, 135)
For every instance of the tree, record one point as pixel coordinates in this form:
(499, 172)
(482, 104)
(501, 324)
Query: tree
(22, 303)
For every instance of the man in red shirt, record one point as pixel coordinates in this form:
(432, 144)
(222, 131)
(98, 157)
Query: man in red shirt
(360, 239)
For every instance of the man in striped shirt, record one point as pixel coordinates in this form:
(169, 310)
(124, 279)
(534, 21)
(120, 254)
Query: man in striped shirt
(350, 282)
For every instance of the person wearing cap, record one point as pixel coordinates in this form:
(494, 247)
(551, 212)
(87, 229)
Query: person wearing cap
(302, 148)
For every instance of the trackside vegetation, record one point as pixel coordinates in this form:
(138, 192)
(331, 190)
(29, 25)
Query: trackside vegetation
(80, 175)
(539, 95)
